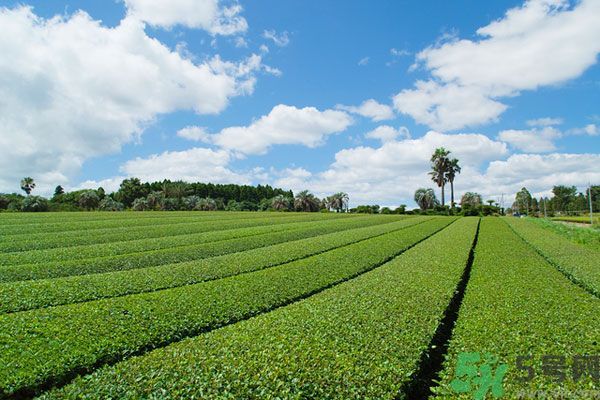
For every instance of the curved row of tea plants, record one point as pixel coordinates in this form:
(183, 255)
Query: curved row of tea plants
(272, 235)
(68, 239)
(360, 340)
(84, 225)
(517, 304)
(580, 264)
(45, 346)
(129, 244)
(26, 295)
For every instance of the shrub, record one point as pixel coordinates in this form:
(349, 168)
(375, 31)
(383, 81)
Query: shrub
(108, 204)
(35, 204)
(140, 204)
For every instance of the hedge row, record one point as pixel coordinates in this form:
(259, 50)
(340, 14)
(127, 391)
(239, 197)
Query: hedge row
(47, 345)
(27, 295)
(84, 225)
(263, 236)
(69, 239)
(359, 340)
(580, 264)
(130, 244)
(516, 304)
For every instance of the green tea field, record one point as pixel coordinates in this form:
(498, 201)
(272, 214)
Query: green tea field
(275, 305)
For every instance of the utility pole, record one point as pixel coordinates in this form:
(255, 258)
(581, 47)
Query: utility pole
(545, 214)
(591, 211)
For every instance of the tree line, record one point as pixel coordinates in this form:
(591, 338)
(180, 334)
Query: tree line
(564, 200)
(173, 196)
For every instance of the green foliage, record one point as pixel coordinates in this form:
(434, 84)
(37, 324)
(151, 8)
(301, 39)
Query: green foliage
(89, 200)
(358, 340)
(306, 202)
(27, 185)
(53, 263)
(4, 202)
(580, 264)
(139, 204)
(366, 209)
(425, 198)
(108, 204)
(516, 304)
(76, 337)
(34, 204)
(20, 296)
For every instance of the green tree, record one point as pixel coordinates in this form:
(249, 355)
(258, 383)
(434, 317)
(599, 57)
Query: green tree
(58, 191)
(338, 202)
(439, 168)
(522, 202)
(34, 204)
(425, 198)
(471, 199)
(563, 195)
(452, 171)
(281, 203)
(89, 200)
(108, 204)
(129, 190)
(307, 202)
(206, 204)
(27, 185)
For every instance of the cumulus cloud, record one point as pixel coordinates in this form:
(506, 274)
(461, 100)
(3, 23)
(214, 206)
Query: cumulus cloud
(531, 140)
(208, 15)
(194, 165)
(390, 174)
(283, 125)
(590, 130)
(547, 121)
(370, 109)
(363, 61)
(543, 42)
(72, 89)
(387, 133)
(280, 40)
(196, 133)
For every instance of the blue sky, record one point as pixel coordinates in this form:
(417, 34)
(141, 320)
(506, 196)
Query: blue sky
(329, 96)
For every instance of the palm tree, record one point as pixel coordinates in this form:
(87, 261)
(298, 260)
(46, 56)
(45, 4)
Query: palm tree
(453, 170)
(425, 198)
(280, 202)
(344, 201)
(439, 167)
(306, 201)
(27, 184)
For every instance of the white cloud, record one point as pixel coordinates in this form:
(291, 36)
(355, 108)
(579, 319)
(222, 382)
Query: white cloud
(264, 49)
(542, 43)
(283, 125)
(280, 40)
(370, 109)
(399, 53)
(72, 89)
(240, 42)
(194, 165)
(390, 174)
(197, 133)
(447, 107)
(590, 129)
(532, 140)
(363, 61)
(547, 121)
(204, 14)
(386, 133)
(539, 173)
